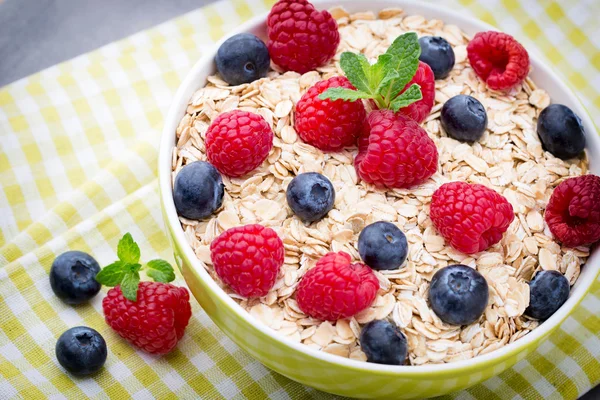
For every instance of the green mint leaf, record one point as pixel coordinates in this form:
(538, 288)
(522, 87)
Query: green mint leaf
(405, 51)
(129, 284)
(160, 271)
(375, 73)
(386, 84)
(365, 77)
(405, 44)
(355, 66)
(412, 94)
(112, 274)
(128, 251)
(339, 93)
(379, 71)
(133, 267)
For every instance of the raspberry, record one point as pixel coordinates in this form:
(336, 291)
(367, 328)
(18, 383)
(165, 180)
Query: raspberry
(248, 258)
(300, 37)
(419, 110)
(573, 214)
(238, 142)
(498, 59)
(394, 151)
(329, 125)
(156, 321)
(335, 289)
(470, 216)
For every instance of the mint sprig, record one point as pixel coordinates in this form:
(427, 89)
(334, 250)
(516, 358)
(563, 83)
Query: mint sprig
(127, 250)
(384, 80)
(126, 270)
(160, 271)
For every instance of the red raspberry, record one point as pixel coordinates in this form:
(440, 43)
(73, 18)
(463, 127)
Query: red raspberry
(248, 258)
(394, 151)
(156, 321)
(498, 59)
(471, 217)
(238, 142)
(301, 38)
(419, 110)
(573, 212)
(329, 125)
(335, 289)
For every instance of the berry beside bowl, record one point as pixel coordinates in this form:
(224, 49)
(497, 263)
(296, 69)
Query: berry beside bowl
(320, 369)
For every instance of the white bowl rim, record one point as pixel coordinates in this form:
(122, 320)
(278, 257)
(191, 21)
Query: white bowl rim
(165, 155)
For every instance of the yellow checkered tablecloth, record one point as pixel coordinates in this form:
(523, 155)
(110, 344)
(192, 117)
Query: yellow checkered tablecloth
(78, 169)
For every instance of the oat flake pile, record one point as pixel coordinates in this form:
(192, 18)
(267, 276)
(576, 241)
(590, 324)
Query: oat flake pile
(509, 159)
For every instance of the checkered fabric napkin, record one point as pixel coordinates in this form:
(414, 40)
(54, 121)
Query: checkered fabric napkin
(78, 169)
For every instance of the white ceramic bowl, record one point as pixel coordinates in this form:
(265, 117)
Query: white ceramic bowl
(325, 371)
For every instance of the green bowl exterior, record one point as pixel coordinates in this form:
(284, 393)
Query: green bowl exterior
(346, 379)
(322, 374)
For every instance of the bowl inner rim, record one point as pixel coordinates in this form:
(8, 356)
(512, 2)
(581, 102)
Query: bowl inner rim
(204, 66)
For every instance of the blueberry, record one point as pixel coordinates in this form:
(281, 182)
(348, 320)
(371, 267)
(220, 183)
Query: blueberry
(561, 132)
(464, 118)
(72, 277)
(81, 350)
(458, 294)
(438, 54)
(310, 196)
(382, 245)
(242, 58)
(548, 290)
(383, 343)
(198, 190)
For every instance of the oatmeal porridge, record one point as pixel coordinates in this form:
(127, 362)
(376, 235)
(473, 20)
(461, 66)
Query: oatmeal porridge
(509, 158)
